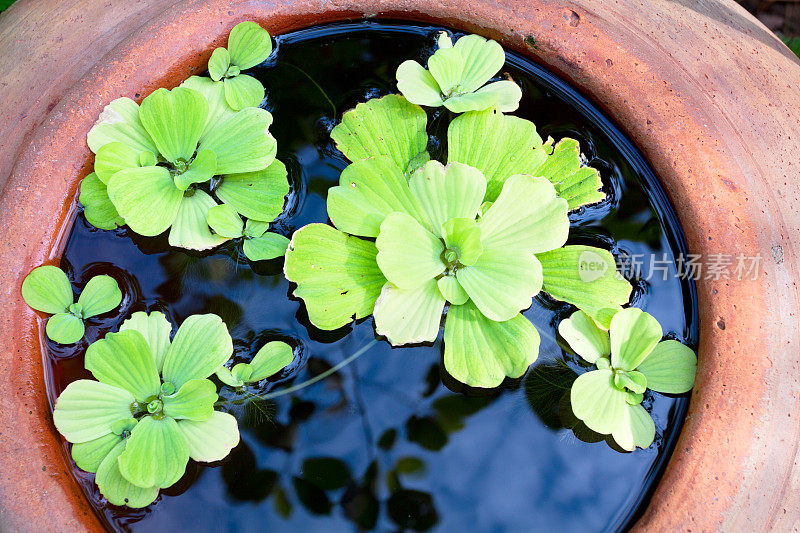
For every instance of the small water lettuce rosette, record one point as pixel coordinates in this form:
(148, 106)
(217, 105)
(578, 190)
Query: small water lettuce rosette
(457, 77)
(47, 289)
(151, 408)
(164, 164)
(248, 45)
(630, 358)
(269, 360)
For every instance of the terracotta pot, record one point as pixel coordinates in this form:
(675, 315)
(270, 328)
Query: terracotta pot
(710, 96)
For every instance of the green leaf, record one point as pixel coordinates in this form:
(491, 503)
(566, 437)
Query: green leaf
(113, 157)
(634, 334)
(175, 120)
(502, 282)
(228, 378)
(212, 439)
(587, 278)
(482, 59)
(408, 254)
(256, 195)
(418, 85)
(584, 337)
(146, 198)
(202, 169)
(368, 191)
(225, 221)
(409, 316)
(268, 246)
(242, 141)
(89, 455)
(503, 95)
(155, 455)
(120, 122)
(270, 359)
(97, 206)
(47, 289)
(86, 410)
(390, 126)
(124, 360)
(65, 328)
(190, 228)
(117, 489)
(581, 188)
(513, 147)
(193, 401)
(452, 291)
(99, 296)
(463, 236)
(481, 352)
(249, 45)
(670, 368)
(632, 380)
(255, 228)
(214, 93)
(243, 91)
(201, 345)
(337, 275)
(218, 63)
(443, 193)
(597, 402)
(577, 184)
(636, 428)
(447, 66)
(155, 328)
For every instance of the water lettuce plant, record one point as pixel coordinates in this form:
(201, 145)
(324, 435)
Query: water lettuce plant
(248, 45)
(151, 408)
(630, 358)
(269, 360)
(48, 290)
(457, 77)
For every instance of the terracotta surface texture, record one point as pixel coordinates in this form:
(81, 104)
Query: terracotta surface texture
(708, 94)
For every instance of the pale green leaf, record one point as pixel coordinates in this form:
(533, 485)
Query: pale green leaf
(462, 236)
(242, 371)
(249, 45)
(147, 159)
(193, 401)
(482, 59)
(418, 85)
(481, 352)
(175, 120)
(584, 337)
(243, 91)
(447, 66)
(408, 254)
(632, 380)
(146, 198)
(454, 191)
(502, 282)
(575, 183)
(634, 334)
(100, 295)
(443, 40)
(270, 359)
(97, 206)
(268, 246)
(124, 360)
(155, 454)
(368, 191)
(89, 455)
(228, 378)
(256, 195)
(636, 429)
(190, 228)
(337, 275)
(242, 141)
(587, 278)
(202, 169)
(120, 122)
(214, 93)
(155, 328)
(225, 221)
(390, 126)
(503, 95)
(117, 489)
(47, 289)
(201, 345)
(670, 368)
(212, 439)
(218, 63)
(409, 316)
(113, 157)
(452, 291)
(65, 328)
(581, 188)
(512, 147)
(86, 410)
(597, 402)
(255, 228)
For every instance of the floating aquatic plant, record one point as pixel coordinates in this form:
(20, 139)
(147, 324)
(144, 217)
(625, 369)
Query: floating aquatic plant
(48, 290)
(248, 45)
(151, 408)
(269, 360)
(258, 243)
(456, 77)
(630, 358)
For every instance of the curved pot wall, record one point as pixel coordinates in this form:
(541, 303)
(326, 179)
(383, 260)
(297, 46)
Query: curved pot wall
(707, 92)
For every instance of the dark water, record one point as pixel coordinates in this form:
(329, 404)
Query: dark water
(385, 444)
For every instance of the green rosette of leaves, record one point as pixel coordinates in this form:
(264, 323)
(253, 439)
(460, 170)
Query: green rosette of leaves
(48, 290)
(457, 77)
(269, 360)
(151, 408)
(630, 358)
(248, 45)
